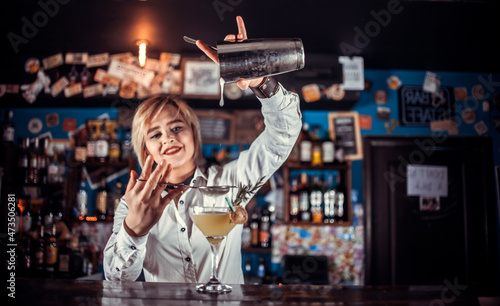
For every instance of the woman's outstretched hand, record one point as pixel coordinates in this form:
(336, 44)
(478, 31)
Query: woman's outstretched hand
(212, 54)
(143, 197)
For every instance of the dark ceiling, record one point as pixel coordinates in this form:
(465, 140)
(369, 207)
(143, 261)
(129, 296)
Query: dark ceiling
(415, 35)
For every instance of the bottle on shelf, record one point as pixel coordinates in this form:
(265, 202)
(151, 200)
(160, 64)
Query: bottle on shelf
(328, 149)
(42, 161)
(102, 197)
(126, 149)
(102, 145)
(329, 200)
(63, 260)
(340, 202)
(254, 227)
(23, 161)
(294, 201)
(91, 142)
(51, 253)
(316, 199)
(27, 216)
(304, 200)
(114, 146)
(339, 152)
(115, 197)
(265, 229)
(82, 204)
(33, 162)
(8, 127)
(39, 252)
(316, 150)
(81, 146)
(305, 144)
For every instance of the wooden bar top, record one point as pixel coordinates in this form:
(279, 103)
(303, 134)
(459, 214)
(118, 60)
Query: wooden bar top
(96, 292)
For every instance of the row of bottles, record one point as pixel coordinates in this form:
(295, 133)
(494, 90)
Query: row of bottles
(34, 166)
(45, 246)
(257, 230)
(99, 142)
(315, 148)
(318, 199)
(106, 201)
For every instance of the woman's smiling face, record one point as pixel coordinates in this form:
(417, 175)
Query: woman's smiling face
(168, 137)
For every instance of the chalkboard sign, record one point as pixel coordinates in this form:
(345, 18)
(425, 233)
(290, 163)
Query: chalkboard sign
(419, 108)
(346, 125)
(216, 127)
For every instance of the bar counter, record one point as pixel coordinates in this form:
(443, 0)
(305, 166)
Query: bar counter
(97, 292)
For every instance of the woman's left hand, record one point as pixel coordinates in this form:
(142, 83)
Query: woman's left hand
(212, 54)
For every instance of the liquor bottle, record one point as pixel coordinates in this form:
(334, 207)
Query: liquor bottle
(63, 260)
(39, 263)
(102, 145)
(126, 150)
(339, 152)
(261, 270)
(23, 161)
(264, 229)
(115, 198)
(340, 202)
(114, 146)
(316, 154)
(305, 144)
(102, 200)
(81, 146)
(82, 205)
(76, 258)
(254, 227)
(51, 252)
(8, 127)
(329, 200)
(304, 201)
(33, 164)
(27, 217)
(18, 215)
(294, 201)
(328, 149)
(53, 170)
(316, 199)
(91, 143)
(26, 261)
(42, 161)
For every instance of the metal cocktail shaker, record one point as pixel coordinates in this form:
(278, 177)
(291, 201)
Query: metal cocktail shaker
(254, 58)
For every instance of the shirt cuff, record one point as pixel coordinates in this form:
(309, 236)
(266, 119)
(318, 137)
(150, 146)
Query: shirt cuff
(125, 241)
(275, 102)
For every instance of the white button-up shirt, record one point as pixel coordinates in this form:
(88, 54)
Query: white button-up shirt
(176, 251)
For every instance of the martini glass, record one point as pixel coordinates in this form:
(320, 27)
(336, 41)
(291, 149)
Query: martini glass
(215, 223)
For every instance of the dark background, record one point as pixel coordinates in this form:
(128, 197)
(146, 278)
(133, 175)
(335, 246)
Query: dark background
(425, 35)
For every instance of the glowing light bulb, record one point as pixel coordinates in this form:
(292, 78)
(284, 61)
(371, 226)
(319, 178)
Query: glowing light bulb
(142, 52)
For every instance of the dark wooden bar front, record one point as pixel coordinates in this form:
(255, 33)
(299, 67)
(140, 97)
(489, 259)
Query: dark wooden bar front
(92, 292)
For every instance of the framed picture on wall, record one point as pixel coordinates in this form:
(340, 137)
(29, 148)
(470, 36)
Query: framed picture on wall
(216, 127)
(345, 125)
(200, 79)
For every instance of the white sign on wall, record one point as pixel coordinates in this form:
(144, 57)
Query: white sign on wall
(352, 72)
(427, 180)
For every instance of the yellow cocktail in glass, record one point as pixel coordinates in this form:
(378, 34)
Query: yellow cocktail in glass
(215, 224)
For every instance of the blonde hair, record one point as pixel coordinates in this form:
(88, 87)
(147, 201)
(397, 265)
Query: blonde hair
(148, 110)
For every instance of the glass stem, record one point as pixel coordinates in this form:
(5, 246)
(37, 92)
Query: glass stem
(215, 261)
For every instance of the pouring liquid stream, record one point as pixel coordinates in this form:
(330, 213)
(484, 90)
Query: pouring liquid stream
(222, 82)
